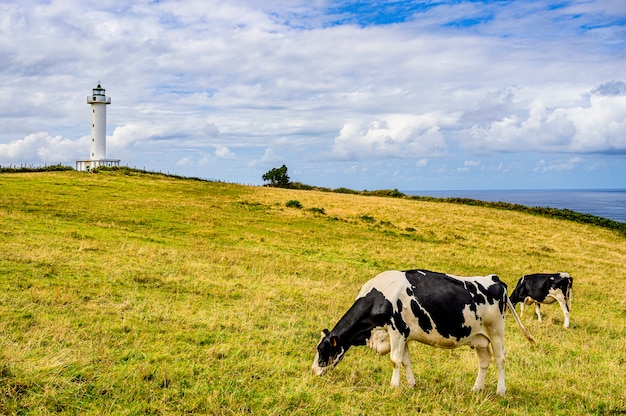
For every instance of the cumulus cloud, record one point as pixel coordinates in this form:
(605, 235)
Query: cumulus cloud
(186, 161)
(597, 126)
(493, 106)
(131, 134)
(396, 136)
(601, 127)
(269, 157)
(41, 148)
(224, 152)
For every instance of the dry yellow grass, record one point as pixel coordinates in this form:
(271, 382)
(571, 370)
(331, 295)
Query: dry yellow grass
(143, 294)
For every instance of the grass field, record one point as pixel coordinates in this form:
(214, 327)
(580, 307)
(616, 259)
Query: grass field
(129, 294)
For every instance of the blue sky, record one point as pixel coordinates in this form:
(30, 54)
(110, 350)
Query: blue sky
(413, 95)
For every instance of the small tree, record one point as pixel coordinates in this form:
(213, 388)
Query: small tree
(277, 177)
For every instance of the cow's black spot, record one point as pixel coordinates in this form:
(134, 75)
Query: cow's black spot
(423, 319)
(478, 298)
(495, 293)
(398, 321)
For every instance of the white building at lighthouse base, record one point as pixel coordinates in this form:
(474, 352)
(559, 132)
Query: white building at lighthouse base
(87, 165)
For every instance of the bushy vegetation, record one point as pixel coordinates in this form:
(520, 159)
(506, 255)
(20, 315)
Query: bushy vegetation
(127, 293)
(292, 203)
(23, 169)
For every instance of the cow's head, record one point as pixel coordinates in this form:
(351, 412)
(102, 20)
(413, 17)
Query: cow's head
(329, 353)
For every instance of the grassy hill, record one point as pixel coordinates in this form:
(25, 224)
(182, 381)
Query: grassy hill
(128, 293)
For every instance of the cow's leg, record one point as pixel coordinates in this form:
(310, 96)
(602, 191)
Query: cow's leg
(497, 345)
(481, 344)
(538, 311)
(406, 360)
(397, 355)
(564, 306)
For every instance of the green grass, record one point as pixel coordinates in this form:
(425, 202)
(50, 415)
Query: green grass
(130, 293)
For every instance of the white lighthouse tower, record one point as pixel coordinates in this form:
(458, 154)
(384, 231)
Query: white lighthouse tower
(98, 155)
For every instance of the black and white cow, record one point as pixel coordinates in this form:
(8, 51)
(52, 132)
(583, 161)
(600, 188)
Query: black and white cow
(545, 288)
(433, 308)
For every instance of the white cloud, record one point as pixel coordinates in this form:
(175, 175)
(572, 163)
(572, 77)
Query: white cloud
(224, 152)
(186, 161)
(41, 148)
(269, 157)
(602, 126)
(396, 136)
(557, 165)
(145, 133)
(598, 125)
(206, 160)
(472, 163)
(468, 165)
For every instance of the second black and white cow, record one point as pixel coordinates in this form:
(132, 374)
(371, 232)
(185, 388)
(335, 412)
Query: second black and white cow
(545, 288)
(433, 308)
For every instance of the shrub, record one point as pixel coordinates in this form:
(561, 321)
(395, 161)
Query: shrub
(367, 218)
(346, 191)
(293, 204)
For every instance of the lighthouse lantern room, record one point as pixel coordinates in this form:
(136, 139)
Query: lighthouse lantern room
(98, 101)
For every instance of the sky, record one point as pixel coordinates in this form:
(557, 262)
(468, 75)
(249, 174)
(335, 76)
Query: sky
(408, 95)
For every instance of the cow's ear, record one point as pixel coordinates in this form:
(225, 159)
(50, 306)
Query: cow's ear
(325, 331)
(334, 340)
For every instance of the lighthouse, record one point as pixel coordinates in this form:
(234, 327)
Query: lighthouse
(98, 155)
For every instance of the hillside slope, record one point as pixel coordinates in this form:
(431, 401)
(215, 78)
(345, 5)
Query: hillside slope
(145, 294)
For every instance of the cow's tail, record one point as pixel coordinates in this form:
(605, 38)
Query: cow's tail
(519, 322)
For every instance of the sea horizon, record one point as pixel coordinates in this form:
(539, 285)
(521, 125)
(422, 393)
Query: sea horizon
(519, 189)
(607, 203)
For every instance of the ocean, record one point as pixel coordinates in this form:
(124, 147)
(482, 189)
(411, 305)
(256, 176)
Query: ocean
(606, 203)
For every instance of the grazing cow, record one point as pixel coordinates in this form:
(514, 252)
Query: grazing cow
(545, 288)
(437, 309)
